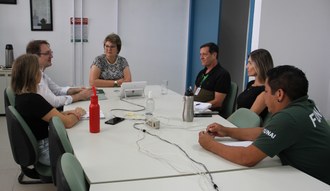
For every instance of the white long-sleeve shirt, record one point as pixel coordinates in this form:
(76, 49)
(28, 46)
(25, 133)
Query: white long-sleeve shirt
(53, 93)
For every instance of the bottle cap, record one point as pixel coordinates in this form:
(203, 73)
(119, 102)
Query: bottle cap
(9, 47)
(94, 90)
(94, 97)
(189, 92)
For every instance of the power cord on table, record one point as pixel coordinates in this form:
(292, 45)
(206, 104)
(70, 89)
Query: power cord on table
(215, 186)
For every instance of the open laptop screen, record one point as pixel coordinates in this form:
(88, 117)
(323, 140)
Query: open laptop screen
(132, 89)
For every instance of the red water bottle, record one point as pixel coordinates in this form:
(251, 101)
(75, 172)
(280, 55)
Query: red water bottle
(94, 114)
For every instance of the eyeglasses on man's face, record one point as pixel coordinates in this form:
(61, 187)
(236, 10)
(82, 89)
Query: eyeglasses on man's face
(46, 53)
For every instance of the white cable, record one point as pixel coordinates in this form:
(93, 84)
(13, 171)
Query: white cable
(185, 153)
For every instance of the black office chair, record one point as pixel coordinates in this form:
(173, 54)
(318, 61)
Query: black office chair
(70, 175)
(24, 148)
(59, 143)
(9, 96)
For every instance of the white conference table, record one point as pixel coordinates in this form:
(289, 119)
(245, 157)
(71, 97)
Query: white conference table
(122, 153)
(270, 179)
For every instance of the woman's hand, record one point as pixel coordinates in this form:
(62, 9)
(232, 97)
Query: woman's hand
(80, 111)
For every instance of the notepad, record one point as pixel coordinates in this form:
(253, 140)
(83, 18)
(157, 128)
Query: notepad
(86, 116)
(201, 106)
(101, 94)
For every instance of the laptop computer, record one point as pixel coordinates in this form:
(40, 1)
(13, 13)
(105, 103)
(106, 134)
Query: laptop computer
(132, 89)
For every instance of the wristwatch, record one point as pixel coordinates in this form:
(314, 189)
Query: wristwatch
(116, 83)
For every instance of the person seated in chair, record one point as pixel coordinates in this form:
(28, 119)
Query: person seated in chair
(297, 132)
(110, 69)
(34, 108)
(213, 82)
(56, 95)
(259, 62)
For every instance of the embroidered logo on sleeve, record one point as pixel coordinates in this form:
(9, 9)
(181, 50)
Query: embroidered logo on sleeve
(315, 116)
(269, 133)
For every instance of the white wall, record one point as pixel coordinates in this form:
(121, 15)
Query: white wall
(154, 35)
(155, 39)
(296, 32)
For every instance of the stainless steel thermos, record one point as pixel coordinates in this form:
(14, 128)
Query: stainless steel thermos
(9, 56)
(188, 105)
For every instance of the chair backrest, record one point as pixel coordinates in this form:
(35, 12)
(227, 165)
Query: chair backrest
(244, 117)
(229, 103)
(24, 147)
(22, 141)
(9, 96)
(59, 143)
(70, 175)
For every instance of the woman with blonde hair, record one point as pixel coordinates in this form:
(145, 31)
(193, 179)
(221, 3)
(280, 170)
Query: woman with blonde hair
(34, 109)
(259, 62)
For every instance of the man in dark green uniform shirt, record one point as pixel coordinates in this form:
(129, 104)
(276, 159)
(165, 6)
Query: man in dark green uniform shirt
(297, 131)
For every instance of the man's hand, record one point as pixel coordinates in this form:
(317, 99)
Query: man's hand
(85, 94)
(216, 129)
(205, 140)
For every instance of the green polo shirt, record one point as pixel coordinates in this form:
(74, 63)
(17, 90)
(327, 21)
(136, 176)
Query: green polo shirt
(300, 136)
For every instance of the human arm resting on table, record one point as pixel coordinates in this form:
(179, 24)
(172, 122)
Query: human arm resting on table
(246, 156)
(69, 118)
(218, 99)
(94, 78)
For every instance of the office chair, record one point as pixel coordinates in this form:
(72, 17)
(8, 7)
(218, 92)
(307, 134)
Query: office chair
(59, 143)
(70, 175)
(244, 117)
(24, 148)
(229, 103)
(9, 96)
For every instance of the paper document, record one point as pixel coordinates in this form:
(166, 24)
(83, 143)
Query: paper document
(86, 116)
(201, 106)
(237, 143)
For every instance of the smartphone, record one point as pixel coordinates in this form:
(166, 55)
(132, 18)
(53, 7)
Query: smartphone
(114, 120)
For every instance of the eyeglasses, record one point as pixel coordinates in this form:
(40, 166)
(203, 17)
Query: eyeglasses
(46, 53)
(112, 46)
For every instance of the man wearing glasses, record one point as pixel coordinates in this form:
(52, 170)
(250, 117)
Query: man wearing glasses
(56, 95)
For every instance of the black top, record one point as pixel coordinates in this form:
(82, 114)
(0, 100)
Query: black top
(32, 108)
(249, 95)
(217, 80)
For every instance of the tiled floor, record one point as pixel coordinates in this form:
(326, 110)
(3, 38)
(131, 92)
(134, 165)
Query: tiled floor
(9, 170)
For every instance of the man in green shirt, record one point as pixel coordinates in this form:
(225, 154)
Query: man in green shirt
(297, 132)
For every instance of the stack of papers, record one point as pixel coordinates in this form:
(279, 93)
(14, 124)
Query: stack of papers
(201, 107)
(86, 116)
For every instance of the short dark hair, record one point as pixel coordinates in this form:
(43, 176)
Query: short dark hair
(115, 39)
(34, 46)
(213, 48)
(290, 79)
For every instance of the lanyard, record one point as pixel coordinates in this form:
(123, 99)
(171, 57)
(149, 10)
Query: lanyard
(204, 78)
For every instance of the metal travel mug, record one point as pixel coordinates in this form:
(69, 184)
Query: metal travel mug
(9, 56)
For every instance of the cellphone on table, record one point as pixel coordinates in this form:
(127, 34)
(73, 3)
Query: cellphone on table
(114, 120)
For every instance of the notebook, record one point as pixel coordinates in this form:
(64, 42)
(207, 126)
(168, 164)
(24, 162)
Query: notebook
(101, 94)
